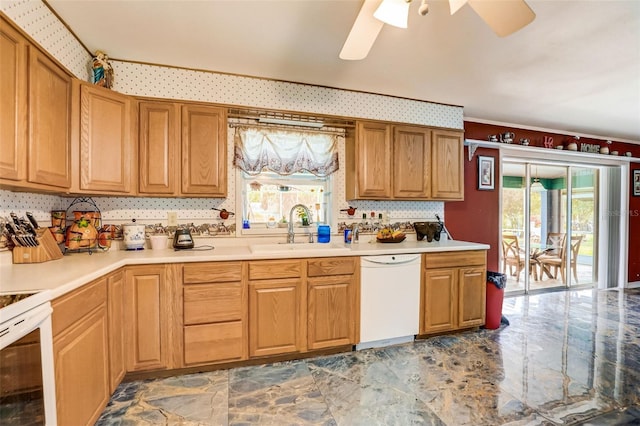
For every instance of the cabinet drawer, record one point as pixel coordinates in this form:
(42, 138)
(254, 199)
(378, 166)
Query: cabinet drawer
(204, 303)
(275, 269)
(331, 266)
(70, 308)
(212, 272)
(454, 259)
(213, 342)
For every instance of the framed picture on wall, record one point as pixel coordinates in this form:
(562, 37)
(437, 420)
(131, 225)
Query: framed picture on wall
(486, 173)
(636, 183)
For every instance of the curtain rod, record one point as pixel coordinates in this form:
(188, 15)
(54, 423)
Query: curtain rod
(337, 131)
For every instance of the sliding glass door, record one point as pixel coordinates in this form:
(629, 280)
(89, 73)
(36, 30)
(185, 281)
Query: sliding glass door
(549, 214)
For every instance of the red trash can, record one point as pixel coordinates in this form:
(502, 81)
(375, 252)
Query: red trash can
(496, 282)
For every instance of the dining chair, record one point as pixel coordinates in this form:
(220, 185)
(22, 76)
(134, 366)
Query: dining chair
(552, 254)
(560, 263)
(555, 242)
(512, 255)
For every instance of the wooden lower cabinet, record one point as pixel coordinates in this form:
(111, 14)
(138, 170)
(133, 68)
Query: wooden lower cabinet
(276, 307)
(148, 318)
(215, 313)
(81, 354)
(210, 343)
(453, 294)
(115, 297)
(439, 299)
(472, 288)
(332, 302)
(275, 311)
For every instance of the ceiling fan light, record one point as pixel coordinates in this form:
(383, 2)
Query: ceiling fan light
(455, 5)
(393, 12)
(536, 186)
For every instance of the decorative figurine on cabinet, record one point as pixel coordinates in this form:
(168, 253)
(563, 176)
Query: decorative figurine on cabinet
(102, 71)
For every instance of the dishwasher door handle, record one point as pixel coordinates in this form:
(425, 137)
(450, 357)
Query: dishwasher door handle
(391, 260)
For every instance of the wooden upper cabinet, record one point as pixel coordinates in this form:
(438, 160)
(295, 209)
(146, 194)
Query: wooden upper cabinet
(49, 122)
(447, 177)
(204, 151)
(373, 160)
(159, 147)
(411, 162)
(107, 148)
(13, 104)
(386, 162)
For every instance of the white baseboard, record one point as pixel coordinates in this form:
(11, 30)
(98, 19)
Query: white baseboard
(635, 284)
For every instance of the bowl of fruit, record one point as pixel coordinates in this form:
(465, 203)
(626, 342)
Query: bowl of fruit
(388, 235)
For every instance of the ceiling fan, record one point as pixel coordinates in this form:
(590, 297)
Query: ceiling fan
(503, 16)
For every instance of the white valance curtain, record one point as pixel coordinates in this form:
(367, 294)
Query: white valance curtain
(285, 151)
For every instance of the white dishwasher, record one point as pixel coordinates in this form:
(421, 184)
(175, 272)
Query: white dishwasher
(390, 299)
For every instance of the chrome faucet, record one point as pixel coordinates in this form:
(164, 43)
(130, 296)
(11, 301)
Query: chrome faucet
(355, 233)
(290, 234)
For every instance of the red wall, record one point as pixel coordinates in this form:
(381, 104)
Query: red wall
(477, 218)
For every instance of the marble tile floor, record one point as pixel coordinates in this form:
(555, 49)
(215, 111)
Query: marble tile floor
(567, 358)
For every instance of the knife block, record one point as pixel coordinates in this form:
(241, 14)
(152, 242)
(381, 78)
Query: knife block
(46, 250)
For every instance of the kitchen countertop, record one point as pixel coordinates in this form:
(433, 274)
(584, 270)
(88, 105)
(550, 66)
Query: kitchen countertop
(74, 270)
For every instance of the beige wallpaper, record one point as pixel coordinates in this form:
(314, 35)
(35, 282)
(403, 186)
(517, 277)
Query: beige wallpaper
(166, 82)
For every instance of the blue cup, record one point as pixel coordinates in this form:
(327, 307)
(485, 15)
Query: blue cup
(324, 233)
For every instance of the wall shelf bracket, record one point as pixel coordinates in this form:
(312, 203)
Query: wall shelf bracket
(472, 149)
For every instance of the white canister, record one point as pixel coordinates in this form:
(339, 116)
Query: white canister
(158, 242)
(133, 236)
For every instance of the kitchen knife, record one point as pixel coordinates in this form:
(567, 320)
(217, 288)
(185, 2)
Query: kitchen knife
(15, 219)
(33, 220)
(29, 233)
(11, 228)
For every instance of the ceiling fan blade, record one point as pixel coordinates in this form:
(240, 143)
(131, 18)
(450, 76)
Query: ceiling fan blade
(504, 16)
(455, 5)
(363, 34)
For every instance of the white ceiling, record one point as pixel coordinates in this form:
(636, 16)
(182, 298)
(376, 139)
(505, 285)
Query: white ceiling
(576, 68)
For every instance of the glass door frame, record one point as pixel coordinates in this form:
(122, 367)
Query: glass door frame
(528, 162)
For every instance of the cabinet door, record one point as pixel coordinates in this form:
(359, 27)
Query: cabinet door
(274, 317)
(159, 146)
(13, 104)
(204, 151)
(447, 177)
(147, 318)
(373, 164)
(331, 311)
(49, 122)
(81, 370)
(106, 146)
(411, 162)
(472, 300)
(115, 297)
(439, 300)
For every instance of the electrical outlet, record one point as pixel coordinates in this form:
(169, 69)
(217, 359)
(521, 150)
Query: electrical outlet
(172, 219)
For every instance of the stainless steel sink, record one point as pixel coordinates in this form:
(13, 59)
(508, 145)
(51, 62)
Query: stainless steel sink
(302, 247)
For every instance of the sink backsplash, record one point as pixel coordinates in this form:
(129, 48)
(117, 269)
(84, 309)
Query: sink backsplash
(197, 211)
